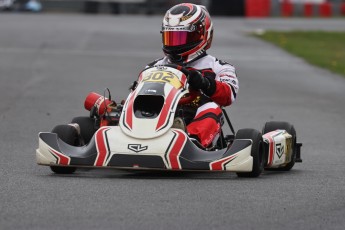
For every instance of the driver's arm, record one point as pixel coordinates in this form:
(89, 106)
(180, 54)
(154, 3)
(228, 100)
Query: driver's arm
(226, 84)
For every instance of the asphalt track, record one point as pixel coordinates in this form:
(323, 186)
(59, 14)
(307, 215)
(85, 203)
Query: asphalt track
(48, 64)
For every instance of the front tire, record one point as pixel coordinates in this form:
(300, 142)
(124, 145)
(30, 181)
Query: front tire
(68, 134)
(274, 125)
(87, 127)
(256, 152)
(63, 170)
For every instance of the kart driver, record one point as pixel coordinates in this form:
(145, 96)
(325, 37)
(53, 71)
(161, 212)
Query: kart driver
(187, 32)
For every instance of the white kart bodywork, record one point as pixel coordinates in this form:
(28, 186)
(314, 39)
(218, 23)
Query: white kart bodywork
(280, 148)
(147, 141)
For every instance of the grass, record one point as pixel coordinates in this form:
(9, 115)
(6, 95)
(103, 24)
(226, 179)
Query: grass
(323, 49)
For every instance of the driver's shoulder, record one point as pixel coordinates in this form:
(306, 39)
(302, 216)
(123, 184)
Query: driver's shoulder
(159, 61)
(205, 62)
(216, 65)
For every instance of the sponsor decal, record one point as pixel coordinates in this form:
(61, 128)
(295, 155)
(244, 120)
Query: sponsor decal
(226, 75)
(163, 77)
(184, 18)
(227, 79)
(179, 28)
(224, 79)
(137, 147)
(161, 67)
(174, 19)
(99, 101)
(200, 52)
(223, 62)
(279, 150)
(151, 91)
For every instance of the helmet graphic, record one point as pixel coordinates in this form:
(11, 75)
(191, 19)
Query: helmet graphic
(187, 32)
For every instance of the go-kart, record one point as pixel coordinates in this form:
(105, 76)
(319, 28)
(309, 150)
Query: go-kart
(147, 132)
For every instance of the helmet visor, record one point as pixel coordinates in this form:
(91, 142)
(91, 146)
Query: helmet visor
(177, 38)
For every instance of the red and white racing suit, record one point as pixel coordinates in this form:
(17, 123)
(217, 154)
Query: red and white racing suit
(205, 125)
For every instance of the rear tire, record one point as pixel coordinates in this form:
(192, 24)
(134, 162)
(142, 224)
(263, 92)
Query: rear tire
(69, 135)
(274, 125)
(87, 127)
(256, 152)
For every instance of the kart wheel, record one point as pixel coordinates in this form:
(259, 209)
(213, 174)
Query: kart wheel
(69, 135)
(274, 125)
(87, 127)
(63, 170)
(256, 152)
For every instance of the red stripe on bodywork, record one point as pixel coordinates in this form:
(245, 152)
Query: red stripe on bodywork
(270, 153)
(183, 80)
(62, 159)
(271, 146)
(166, 109)
(129, 112)
(102, 149)
(218, 165)
(176, 150)
(140, 77)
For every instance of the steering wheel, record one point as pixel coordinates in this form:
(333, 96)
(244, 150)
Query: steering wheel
(193, 94)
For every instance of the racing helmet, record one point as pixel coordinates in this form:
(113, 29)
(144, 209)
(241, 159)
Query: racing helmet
(187, 32)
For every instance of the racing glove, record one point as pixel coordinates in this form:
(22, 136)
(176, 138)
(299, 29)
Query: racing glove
(207, 84)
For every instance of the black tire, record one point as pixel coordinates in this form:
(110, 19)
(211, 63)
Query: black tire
(87, 127)
(274, 125)
(69, 135)
(257, 151)
(63, 170)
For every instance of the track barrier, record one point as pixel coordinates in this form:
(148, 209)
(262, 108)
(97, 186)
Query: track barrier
(287, 9)
(308, 10)
(237, 8)
(258, 8)
(291, 8)
(325, 10)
